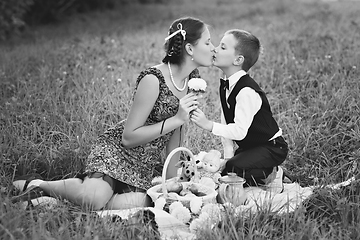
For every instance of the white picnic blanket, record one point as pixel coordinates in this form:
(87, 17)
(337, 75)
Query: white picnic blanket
(258, 200)
(169, 226)
(285, 202)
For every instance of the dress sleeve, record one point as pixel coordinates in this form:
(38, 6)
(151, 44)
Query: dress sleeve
(142, 74)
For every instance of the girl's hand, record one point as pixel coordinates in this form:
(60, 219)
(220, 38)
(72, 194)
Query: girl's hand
(199, 118)
(187, 104)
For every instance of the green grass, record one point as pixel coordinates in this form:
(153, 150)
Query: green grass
(61, 86)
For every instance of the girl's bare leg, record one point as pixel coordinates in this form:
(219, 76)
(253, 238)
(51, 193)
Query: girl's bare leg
(92, 192)
(129, 200)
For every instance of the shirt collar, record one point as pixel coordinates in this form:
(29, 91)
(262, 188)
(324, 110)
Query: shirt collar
(235, 77)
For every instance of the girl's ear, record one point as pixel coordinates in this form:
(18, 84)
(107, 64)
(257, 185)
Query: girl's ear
(189, 49)
(239, 60)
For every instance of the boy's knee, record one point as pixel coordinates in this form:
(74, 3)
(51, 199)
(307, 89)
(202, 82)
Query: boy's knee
(229, 167)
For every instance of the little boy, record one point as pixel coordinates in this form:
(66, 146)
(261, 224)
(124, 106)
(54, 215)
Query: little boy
(246, 117)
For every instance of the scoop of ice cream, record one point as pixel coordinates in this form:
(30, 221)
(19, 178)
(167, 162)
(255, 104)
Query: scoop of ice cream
(197, 85)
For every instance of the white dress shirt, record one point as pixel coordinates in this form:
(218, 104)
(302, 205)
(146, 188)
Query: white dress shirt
(244, 115)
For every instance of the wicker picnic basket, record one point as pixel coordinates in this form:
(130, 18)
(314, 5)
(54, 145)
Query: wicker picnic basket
(208, 194)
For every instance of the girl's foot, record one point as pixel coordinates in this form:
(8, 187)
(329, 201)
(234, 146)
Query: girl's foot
(30, 193)
(28, 185)
(23, 182)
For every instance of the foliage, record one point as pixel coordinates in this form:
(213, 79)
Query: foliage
(11, 16)
(50, 11)
(15, 15)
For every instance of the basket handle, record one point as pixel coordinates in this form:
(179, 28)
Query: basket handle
(166, 164)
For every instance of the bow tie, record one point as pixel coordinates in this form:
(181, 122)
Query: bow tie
(224, 83)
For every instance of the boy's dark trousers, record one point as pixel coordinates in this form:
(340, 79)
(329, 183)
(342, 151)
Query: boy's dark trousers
(256, 163)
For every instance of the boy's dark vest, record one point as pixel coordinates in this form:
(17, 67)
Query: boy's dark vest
(263, 126)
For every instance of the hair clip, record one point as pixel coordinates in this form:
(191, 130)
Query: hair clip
(183, 32)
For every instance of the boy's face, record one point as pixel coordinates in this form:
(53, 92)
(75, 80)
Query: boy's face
(225, 53)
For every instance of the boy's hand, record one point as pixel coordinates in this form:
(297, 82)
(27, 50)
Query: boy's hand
(199, 118)
(187, 104)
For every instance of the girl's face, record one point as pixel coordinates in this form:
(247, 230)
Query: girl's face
(203, 51)
(225, 53)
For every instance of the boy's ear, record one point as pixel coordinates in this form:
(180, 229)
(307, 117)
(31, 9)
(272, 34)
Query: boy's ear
(189, 49)
(239, 60)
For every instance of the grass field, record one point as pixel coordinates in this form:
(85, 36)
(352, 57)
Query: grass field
(63, 85)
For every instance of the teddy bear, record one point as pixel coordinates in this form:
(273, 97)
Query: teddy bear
(209, 168)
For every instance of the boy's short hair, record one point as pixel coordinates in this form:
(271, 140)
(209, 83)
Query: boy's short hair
(248, 45)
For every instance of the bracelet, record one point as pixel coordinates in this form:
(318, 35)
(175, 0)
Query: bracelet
(162, 127)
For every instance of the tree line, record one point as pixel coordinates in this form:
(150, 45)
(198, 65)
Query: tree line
(16, 15)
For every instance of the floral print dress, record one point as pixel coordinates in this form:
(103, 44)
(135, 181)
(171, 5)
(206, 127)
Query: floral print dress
(135, 166)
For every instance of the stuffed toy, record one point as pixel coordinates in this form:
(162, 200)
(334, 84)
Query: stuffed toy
(198, 159)
(209, 168)
(187, 170)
